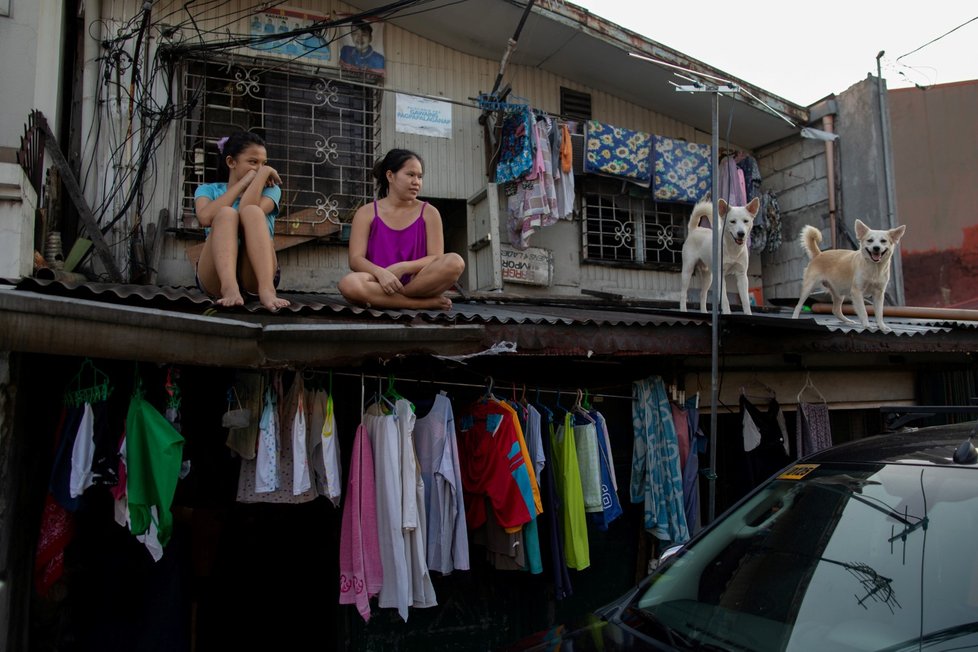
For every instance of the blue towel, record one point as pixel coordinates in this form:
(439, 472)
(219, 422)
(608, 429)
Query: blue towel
(682, 170)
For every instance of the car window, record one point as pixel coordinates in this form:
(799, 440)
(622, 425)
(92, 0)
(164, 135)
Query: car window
(866, 557)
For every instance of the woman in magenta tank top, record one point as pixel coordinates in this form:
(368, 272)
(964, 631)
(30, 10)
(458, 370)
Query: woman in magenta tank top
(397, 248)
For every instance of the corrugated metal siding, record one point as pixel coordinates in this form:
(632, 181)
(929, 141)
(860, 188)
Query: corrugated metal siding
(454, 168)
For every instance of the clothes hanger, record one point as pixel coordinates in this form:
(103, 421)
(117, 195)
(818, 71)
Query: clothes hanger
(809, 384)
(579, 408)
(755, 383)
(90, 385)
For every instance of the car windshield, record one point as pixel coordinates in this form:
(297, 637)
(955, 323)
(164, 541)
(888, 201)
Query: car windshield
(843, 557)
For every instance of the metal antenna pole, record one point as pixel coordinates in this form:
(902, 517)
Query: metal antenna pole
(715, 308)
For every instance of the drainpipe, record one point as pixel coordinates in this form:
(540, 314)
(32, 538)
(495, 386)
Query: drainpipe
(828, 124)
(897, 284)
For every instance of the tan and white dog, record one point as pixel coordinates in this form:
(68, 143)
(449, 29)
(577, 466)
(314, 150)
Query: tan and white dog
(856, 274)
(734, 256)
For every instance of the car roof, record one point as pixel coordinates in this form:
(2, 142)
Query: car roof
(930, 445)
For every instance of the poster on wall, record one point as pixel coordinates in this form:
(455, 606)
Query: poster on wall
(362, 47)
(422, 116)
(314, 47)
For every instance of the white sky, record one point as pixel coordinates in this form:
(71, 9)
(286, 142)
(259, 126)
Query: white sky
(803, 53)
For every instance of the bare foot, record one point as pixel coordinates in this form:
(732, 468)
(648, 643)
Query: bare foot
(272, 301)
(437, 303)
(230, 298)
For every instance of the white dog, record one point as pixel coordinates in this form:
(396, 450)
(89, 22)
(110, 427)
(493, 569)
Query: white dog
(857, 274)
(698, 250)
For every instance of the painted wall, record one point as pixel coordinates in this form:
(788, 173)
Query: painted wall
(935, 160)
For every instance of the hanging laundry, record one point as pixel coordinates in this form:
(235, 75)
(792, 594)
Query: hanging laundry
(530, 534)
(656, 477)
(533, 205)
(691, 470)
(400, 509)
(301, 479)
(618, 152)
(266, 465)
(765, 440)
(277, 469)
(568, 483)
(682, 171)
(82, 454)
(494, 467)
(361, 571)
(752, 175)
(248, 388)
(563, 179)
(324, 444)
(588, 461)
(154, 453)
(563, 587)
(813, 431)
(447, 537)
(516, 149)
(610, 505)
(732, 186)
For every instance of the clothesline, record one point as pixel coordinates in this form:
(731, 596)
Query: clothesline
(464, 384)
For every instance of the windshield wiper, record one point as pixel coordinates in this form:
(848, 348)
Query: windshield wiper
(938, 636)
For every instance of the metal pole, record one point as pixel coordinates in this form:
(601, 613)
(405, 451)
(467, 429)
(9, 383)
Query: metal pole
(715, 308)
(897, 284)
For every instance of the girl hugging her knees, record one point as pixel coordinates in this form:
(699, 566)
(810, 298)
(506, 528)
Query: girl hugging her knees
(397, 248)
(238, 217)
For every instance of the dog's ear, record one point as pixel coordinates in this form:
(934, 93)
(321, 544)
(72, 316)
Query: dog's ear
(897, 233)
(753, 206)
(722, 207)
(861, 230)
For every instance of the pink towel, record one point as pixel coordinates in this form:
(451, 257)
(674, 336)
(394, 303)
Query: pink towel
(361, 574)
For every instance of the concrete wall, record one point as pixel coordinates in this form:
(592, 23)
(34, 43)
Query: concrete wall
(935, 162)
(18, 204)
(798, 169)
(30, 65)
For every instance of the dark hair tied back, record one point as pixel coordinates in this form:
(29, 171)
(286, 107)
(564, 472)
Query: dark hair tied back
(392, 162)
(238, 142)
(233, 145)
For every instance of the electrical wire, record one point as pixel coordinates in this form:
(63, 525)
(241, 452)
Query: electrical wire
(935, 40)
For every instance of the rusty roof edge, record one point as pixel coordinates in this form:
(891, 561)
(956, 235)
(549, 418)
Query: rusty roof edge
(629, 41)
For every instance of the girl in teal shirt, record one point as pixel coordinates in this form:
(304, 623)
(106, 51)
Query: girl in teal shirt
(236, 215)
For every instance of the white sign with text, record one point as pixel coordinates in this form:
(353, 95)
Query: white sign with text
(423, 116)
(532, 266)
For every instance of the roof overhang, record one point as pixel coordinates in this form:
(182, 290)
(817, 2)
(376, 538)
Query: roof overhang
(570, 42)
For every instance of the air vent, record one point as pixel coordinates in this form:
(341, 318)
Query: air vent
(575, 105)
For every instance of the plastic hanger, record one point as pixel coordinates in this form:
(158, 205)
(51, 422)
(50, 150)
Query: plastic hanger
(90, 385)
(810, 385)
(579, 410)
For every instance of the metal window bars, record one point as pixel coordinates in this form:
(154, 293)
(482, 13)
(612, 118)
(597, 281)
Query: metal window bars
(321, 133)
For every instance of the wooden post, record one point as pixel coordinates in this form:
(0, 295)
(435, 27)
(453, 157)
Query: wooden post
(78, 198)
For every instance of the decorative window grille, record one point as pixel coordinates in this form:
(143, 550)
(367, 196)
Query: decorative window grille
(632, 230)
(321, 133)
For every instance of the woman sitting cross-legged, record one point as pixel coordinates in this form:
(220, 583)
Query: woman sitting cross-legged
(397, 248)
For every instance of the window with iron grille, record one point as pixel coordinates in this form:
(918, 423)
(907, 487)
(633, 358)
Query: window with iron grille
(321, 134)
(632, 230)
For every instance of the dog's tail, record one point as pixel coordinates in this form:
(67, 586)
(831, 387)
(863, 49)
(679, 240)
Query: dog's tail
(809, 239)
(702, 210)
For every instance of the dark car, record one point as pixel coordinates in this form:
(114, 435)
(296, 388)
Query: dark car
(871, 545)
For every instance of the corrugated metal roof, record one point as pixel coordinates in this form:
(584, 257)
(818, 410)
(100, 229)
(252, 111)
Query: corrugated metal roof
(477, 310)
